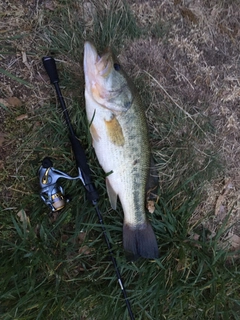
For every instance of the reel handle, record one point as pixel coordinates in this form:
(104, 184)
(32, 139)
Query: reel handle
(51, 69)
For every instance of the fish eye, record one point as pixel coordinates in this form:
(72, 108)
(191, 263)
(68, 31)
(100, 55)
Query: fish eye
(117, 66)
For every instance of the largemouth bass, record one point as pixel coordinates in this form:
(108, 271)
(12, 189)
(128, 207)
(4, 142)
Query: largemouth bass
(119, 132)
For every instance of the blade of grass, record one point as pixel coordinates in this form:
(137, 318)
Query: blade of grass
(19, 80)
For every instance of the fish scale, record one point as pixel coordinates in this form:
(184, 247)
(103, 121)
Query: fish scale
(119, 130)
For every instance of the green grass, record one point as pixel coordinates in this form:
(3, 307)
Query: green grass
(44, 275)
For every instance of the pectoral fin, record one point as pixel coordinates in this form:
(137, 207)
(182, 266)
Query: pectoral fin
(111, 194)
(114, 131)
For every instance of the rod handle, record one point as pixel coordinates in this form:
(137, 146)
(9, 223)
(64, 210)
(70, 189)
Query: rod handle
(50, 66)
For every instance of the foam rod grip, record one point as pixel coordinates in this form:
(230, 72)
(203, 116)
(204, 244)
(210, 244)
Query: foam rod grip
(50, 66)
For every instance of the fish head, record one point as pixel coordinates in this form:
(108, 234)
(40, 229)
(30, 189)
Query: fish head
(105, 81)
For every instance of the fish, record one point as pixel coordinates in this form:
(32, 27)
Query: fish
(119, 131)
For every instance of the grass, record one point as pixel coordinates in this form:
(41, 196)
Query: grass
(58, 267)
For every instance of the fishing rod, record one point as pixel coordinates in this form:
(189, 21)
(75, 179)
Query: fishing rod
(83, 171)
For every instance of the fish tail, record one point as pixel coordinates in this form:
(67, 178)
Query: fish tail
(139, 241)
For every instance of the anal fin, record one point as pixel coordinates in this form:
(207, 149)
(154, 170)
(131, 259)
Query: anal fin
(111, 195)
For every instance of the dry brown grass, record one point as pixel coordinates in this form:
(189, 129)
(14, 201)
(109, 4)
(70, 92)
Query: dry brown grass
(197, 64)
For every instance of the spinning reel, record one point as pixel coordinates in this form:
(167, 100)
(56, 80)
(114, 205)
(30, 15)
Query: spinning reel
(52, 193)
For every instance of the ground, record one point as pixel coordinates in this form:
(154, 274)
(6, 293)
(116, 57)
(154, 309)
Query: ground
(196, 68)
(184, 59)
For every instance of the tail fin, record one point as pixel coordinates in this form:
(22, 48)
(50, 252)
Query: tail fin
(140, 241)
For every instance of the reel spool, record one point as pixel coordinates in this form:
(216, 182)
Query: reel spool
(52, 193)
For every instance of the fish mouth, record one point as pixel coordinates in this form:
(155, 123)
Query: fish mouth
(97, 70)
(105, 64)
(94, 65)
(90, 56)
(89, 61)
